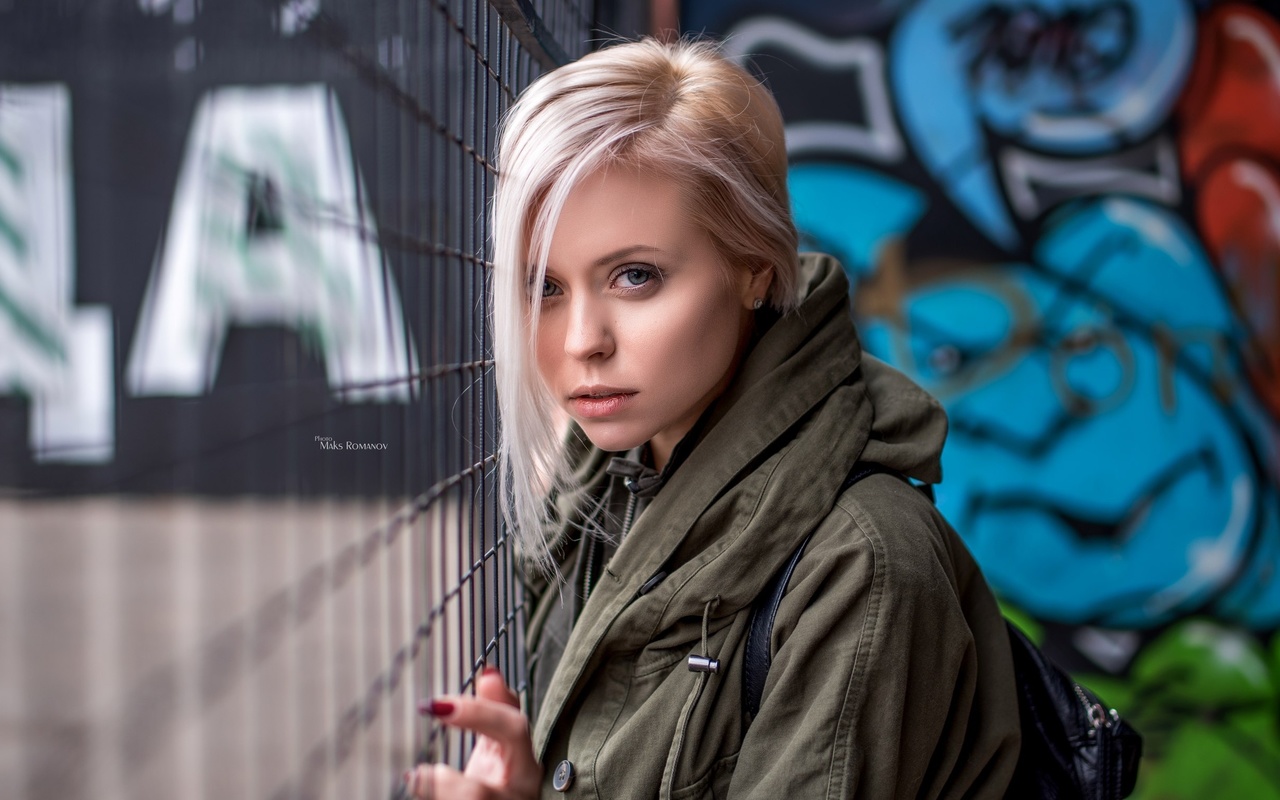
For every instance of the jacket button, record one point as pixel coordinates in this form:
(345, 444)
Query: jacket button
(563, 777)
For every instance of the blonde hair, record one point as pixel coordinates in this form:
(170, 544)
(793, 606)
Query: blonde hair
(680, 110)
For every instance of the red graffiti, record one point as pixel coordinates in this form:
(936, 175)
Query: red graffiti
(1229, 115)
(1232, 98)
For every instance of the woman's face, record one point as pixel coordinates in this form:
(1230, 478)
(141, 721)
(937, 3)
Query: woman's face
(642, 325)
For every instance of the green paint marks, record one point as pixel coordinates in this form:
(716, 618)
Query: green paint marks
(11, 163)
(1022, 621)
(49, 343)
(1207, 760)
(1201, 665)
(1206, 699)
(301, 216)
(17, 242)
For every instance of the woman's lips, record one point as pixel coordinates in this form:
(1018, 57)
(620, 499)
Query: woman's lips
(600, 405)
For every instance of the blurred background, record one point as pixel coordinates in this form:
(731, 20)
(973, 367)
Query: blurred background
(1063, 219)
(247, 492)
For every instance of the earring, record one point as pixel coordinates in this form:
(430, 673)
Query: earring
(758, 304)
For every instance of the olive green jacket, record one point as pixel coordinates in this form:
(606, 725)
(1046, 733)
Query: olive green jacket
(891, 673)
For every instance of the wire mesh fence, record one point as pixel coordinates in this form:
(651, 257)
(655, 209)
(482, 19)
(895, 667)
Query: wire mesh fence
(247, 484)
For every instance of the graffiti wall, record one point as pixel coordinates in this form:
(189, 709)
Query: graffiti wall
(1062, 217)
(221, 225)
(248, 502)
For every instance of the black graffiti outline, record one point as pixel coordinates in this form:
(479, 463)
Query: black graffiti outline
(1019, 38)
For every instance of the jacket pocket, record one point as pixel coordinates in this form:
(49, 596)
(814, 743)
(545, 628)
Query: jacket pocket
(712, 786)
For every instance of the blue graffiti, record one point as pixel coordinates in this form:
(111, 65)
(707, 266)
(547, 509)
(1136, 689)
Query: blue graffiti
(1109, 463)
(851, 212)
(1059, 76)
(1103, 463)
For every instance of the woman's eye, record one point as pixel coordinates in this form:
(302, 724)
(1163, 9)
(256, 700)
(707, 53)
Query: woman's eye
(549, 288)
(635, 276)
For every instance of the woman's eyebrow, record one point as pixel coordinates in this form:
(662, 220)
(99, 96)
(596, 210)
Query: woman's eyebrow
(624, 253)
(618, 255)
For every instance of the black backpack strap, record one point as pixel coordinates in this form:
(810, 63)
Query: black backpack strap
(757, 656)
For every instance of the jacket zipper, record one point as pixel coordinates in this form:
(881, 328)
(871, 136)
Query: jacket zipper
(591, 564)
(595, 544)
(628, 516)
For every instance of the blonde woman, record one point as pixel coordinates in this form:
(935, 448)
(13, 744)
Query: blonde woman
(647, 286)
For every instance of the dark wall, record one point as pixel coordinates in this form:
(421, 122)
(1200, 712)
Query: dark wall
(231, 229)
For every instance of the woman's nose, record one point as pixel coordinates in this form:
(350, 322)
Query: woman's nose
(590, 332)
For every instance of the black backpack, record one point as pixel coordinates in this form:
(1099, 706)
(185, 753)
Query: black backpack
(1073, 747)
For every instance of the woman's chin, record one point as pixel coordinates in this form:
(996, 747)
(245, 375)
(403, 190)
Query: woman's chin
(611, 437)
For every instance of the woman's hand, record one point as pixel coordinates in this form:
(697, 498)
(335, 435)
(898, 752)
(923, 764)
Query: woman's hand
(502, 765)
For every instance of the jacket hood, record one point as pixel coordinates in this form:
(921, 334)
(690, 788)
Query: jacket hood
(908, 425)
(767, 465)
(813, 356)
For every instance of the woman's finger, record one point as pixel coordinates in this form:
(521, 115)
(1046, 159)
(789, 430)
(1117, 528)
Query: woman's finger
(504, 755)
(493, 718)
(503, 762)
(490, 685)
(439, 782)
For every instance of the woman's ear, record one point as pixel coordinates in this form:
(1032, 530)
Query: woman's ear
(755, 292)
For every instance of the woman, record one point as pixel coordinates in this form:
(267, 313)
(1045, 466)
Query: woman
(647, 286)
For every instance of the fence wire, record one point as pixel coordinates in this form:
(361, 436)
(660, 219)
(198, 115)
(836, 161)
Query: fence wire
(248, 594)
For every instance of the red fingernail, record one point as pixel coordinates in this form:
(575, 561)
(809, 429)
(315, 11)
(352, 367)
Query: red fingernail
(490, 670)
(436, 708)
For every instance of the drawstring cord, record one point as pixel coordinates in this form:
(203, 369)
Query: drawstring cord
(705, 663)
(705, 666)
